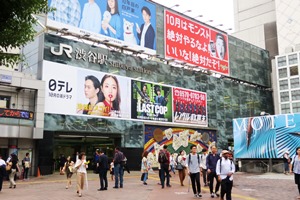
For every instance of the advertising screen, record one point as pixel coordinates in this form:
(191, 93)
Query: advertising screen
(129, 23)
(85, 92)
(189, 106)
(195, 43)
(266, 136)
(151, 101)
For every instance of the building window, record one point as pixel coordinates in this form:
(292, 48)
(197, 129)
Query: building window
(295, 95)
(293, 59)
(285, 108)
(4, 102)
(296, 107)
(281, 61)
(283, 84)
(294, 71)
(284, 96)
(282, 73)
(294, 83)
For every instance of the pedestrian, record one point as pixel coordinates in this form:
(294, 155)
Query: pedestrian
(203, 166)
(62, 161)
(145, 167)
(118, 168)
(295, 168)
(172, 163)
(225, 169)
(2, 171)
(164, 161)
(68, 169)
(111, 169)
(102, 167)
(26, 166)
(13, 161)
(286, 162)
(193, 168)
(181, 166)
(211, 163)
(81, 165)
(96, 161)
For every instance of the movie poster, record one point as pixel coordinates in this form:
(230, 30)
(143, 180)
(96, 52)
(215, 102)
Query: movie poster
(189, 107)
(151, 101)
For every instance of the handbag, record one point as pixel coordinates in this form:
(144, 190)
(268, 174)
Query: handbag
(8, 166)
(179, 166)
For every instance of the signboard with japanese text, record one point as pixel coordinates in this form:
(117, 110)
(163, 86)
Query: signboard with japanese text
(195, 43)
(189, 107)
(17, 114)
(122, 22)
(85, 92)
(268, 136)
(151, 101)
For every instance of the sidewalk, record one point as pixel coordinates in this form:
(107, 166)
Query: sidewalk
(246, 187)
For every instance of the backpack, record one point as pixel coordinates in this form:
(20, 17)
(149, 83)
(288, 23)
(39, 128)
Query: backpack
(197, 158)
(162, 157)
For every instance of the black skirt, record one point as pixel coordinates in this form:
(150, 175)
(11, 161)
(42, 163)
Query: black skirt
(297, 179)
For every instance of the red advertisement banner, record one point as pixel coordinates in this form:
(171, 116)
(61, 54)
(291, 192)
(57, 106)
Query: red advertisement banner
(195, 43)
(189, 106)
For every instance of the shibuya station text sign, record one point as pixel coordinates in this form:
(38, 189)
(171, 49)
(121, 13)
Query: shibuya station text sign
(195, 43)
(266, 136)
(93, 57)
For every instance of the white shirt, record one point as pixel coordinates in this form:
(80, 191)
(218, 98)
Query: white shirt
(227, 166)
(2, 162)
(203, 161)
(91, 18)
(146, 26)
(82, 168)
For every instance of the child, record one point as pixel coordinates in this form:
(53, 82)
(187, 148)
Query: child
(111, 169)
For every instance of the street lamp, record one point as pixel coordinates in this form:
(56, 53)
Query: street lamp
(176, 5)
(187, 11)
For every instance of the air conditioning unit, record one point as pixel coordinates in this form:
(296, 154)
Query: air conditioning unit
(289, 49)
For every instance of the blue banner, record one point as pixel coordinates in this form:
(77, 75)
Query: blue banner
(266, 136)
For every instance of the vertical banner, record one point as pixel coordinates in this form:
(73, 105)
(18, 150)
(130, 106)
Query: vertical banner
(195, 43)
(150, 101)
(122, 22)
(189, 107)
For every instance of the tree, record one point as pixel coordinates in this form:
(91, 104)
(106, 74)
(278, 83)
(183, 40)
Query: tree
(17, 25)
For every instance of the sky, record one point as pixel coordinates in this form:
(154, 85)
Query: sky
(220, 11)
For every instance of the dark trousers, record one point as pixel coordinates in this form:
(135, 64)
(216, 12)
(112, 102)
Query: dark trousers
(1, 182)
(226, 187)
(195, 179)
(164, 174)
(204, 174)
(26, 173)
(103, 178)
(211, 177)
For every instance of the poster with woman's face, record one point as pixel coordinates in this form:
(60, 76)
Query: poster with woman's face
(103, 94)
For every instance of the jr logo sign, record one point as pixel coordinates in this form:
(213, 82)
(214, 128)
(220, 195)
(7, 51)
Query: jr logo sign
(63, 48)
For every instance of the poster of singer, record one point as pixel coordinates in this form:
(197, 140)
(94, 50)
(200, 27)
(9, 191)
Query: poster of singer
(189, 107)
(150, 101)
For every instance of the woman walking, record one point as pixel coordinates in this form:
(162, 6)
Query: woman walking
(68, 168)
(13, 161)
(295, 167)
(145, 167)
(180, 160)
(81, 166)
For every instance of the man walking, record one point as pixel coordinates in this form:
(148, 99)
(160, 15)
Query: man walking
(103, 167)
(193, 168)
(211, 163)
(225, 169)
(2, 171)
(164, 161)
(203, 166)
(118, 168)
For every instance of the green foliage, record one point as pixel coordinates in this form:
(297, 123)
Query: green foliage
(16, 24)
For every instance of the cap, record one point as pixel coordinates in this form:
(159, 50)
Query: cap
(224, 152)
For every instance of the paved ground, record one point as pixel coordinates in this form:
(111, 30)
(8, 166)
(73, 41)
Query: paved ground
(246, 187)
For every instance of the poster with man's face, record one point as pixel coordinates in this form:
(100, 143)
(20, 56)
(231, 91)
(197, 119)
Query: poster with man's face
(150, 101)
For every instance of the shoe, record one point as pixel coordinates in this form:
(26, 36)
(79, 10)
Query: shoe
(79, 194)
(15, 186)
(115, 187)
(217, 194)
(104, 188)
(100, 189)
(10, 186)
(200, 195)
(67, 187)
(121, 186)
(195, 195)
(169, 185)
(145, 183)
(162, 187)
(182, 184)
(212, 195)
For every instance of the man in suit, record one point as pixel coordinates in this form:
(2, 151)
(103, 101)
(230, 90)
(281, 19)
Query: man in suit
(160, 100)
(103, 167)
(146, 33)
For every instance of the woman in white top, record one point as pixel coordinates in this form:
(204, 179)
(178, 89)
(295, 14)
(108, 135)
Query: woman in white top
(295, 166)
(181, 160)
(81, 166)
(145, 167)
